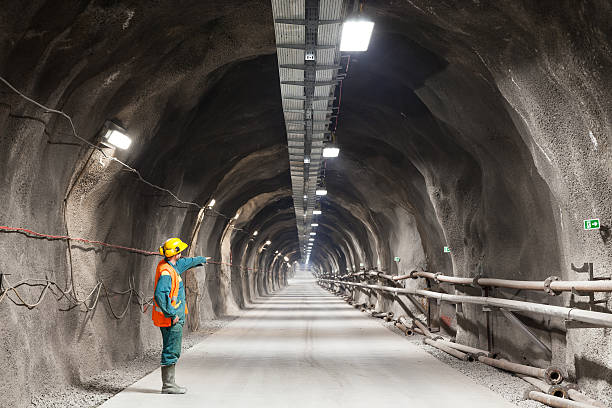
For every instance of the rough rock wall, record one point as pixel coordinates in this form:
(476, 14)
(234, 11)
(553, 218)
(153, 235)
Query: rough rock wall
(503, 110)
(163, 72)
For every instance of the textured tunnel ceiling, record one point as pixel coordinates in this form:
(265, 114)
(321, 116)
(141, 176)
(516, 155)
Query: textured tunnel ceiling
(425, 112)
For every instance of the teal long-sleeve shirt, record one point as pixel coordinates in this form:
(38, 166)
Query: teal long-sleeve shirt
(164, 286)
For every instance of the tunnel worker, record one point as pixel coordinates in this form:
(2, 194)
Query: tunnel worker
(170, 307)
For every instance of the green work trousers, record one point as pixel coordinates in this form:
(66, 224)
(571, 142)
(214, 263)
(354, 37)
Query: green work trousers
(173, 340)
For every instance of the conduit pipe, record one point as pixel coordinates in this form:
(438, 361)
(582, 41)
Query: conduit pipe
(580, 397)
(440, 346)
(464, 348)
(586, 316)
(552, 375)
(554, 390)
(551, 284)
(406, 330)
(556, 401)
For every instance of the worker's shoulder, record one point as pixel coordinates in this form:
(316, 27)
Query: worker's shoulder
(164, 268)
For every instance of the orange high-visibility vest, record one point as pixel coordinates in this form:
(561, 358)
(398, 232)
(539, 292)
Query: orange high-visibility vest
(164, 268)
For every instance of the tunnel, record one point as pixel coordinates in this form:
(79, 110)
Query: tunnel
(417, 211)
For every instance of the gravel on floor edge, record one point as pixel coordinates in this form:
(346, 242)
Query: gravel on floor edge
(94, 391)
(508, 386)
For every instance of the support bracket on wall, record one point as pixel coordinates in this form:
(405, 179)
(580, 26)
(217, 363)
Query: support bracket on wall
(515, 320)
(1, 281)
(587, 267)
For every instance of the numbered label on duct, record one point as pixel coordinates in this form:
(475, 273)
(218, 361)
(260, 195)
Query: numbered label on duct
(591, 224)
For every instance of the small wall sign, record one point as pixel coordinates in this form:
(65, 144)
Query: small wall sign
(591, 224)
(446, 249)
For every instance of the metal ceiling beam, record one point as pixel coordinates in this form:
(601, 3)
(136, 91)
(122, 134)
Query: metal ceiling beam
(295, 21)
(303, 46)
(316, 67)
(312, 98)
(309, 28)
(301, 122)
(310, 83)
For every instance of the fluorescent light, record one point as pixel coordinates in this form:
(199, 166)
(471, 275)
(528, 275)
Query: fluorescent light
(211, 204)
(305, 196)
(286, 259)
(331, 151)
(314, 225)
(311, 239)
(356, 35)
(268, 242)
(117, 139)
(313, 233)
(321, 192)
(306, 159)
(255, 233)
(317, 212)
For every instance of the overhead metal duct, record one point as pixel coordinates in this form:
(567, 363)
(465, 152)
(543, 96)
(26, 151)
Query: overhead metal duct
(308, 50)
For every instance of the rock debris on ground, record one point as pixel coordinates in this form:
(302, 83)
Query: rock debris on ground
(99, 388)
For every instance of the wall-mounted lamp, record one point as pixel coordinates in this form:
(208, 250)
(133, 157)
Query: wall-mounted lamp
(115, 136)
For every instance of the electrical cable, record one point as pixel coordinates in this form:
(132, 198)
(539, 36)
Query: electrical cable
(75, 134)
(48, 284)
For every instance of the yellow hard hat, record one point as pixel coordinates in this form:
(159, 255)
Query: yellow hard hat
(172, 247)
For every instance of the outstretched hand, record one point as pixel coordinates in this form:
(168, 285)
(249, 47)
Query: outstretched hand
(176, 319)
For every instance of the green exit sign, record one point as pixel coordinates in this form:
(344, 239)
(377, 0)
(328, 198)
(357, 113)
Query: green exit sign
(446, 249)
(396, 259)
(591, 224)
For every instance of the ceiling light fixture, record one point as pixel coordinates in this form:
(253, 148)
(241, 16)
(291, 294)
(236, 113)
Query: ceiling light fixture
(321, 191)
(211, 204)
(356, 35)
(268, 242)
(255, 233)
(317, 212)
(286, 259)
(331, 151)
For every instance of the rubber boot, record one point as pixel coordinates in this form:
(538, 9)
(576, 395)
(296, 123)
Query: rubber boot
(168, 384)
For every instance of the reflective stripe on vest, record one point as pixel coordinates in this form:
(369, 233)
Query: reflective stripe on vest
(164, 268)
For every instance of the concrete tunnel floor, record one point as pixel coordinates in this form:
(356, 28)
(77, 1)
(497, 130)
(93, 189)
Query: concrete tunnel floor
(304, 347)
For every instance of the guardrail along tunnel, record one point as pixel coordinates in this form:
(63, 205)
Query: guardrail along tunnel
(397, 202)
